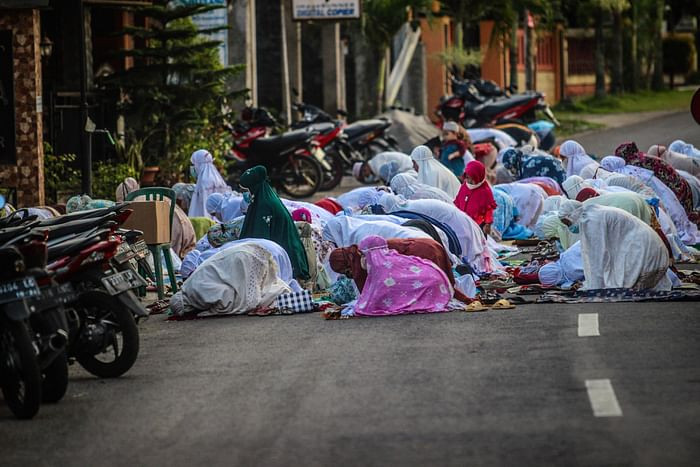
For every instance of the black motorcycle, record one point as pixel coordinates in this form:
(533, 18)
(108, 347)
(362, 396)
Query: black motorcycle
(20, 375)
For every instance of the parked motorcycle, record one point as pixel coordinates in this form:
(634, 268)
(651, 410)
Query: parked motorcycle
(364, 138)
(288, 168)
(473, 109)
(20, 375)
(103, 336)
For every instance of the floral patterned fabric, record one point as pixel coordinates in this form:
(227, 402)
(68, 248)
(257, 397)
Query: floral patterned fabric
(398, 284)
(226, 232)
(662, 170)
(533, 165)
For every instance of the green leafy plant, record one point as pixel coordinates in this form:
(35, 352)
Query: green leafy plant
(460, 57)
(60, 173)
(176, 83)
(107, 175)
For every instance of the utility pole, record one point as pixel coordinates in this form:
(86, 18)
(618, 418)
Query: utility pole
(85, 146)
(285, 65)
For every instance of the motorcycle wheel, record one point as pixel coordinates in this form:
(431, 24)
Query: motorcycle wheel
(19, 369)
(332, 178)
(300, 176)
(55, 381)
(101, 311)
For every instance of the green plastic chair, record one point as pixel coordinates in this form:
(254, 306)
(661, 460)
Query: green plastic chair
(160, 194)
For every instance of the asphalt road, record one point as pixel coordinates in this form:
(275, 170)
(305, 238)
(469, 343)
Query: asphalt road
(494, 388)
(660, 130)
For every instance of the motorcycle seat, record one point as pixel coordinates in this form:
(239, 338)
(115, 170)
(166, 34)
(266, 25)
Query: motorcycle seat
(73, 227)
(10, 233)
(71, 247)
(88, 214)
(322, 128)
(362, 127)
(495, 107)
(275, 145)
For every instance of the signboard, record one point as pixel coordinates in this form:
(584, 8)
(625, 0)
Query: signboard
(7, 100)
(325, 9)
(213, 19)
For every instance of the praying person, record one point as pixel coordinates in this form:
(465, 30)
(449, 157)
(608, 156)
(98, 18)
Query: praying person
(619, 249)
(433, 173)
(267, 218)
(398, 284)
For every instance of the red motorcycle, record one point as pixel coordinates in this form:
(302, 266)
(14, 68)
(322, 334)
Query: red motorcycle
(257, 123)
(474, 110)
(288, 168)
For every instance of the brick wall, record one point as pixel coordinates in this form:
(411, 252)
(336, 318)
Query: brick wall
(27, 176)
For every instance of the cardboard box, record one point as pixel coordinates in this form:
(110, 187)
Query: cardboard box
(152, 218)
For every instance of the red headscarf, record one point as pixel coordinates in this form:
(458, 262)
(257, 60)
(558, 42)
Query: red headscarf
(585, 194)
(477, 202)
(329, 205)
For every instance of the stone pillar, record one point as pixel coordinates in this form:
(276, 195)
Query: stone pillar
(27, 174)
(333, 68)
(242, 46)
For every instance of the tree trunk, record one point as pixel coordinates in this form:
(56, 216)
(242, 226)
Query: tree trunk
(616, 84)
(459, 45)
(381, 81)
(657, 80)
(513, 53)
(599, 55)
(529, 54)
(634, 49)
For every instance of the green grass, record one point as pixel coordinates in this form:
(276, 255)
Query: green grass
(572, 125)
(638, 102)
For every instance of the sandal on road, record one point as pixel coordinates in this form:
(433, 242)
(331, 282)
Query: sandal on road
(503, 304)
(476, 306)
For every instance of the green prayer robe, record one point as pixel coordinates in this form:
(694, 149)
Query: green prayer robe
(268, 218)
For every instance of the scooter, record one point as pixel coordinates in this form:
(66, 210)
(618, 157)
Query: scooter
(289, 170)
(101, 307)
(257, 123)
(469, 107)
(20, 375)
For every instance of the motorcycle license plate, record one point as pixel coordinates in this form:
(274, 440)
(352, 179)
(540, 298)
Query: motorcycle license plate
(124, 253)
(122, 281)
(140, 248)
(18, 290)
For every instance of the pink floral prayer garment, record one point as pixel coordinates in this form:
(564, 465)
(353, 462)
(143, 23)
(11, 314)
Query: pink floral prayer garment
(399, 284)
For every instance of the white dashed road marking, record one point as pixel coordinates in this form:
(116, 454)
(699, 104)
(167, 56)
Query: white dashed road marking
(588, 325)
(603, 399)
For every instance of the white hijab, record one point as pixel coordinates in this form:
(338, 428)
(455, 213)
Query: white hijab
(576, 157)
(403, 162)
(209, 181)
(345, 230)
(359, 198)
(431, 172)
(197, 258)
(408, 186)
(621, 251)
(529, 199)
(687, 231)
(216, 287)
